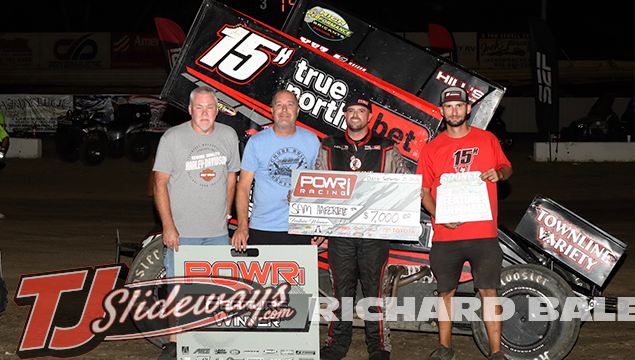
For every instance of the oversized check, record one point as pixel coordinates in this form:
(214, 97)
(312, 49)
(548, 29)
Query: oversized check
(355, 204)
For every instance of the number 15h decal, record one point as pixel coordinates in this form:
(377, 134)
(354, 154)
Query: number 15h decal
(240, 54)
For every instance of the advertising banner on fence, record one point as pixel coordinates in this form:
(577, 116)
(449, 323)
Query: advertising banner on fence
(135, 50)
(34, 113)
(18, 50)
(66, 51)
(503, 50)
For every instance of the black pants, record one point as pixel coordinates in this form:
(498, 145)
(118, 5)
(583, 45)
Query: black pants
(351, 260)
(261, 237)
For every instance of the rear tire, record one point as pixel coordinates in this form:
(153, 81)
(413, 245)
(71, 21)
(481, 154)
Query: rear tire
(148, 265)
(521, 337)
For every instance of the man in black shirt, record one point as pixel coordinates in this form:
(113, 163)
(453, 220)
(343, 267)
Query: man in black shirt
(352, 259)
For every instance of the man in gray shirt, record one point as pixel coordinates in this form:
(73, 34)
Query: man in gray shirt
(195, 181)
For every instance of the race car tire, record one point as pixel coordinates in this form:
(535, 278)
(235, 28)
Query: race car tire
(148, 265)
(521, 337)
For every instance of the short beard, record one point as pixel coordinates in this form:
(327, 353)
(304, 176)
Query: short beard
(357, 129)
(456, 124)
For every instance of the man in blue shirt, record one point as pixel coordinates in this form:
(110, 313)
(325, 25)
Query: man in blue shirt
(268, 160)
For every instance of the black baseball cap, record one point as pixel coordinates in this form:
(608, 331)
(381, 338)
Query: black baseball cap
(358, 100)
(453, 93)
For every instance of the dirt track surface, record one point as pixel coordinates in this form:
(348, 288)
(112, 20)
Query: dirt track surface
(61, 216)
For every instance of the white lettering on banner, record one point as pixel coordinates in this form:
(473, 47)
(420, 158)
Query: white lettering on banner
(351, 63)
(145, 41)
(319, 94)
(324, 192)
(542, 309)
(473, 92)
(241, 54)
(571, 242)
(326, 182)
(314, 44)
(544, 78)
(244, 321)
(274, 272)
(319, 81)
(325, 185)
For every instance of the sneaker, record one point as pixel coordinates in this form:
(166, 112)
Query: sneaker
(443, 353)
(168, 352)
(327, 353)
(497, 356)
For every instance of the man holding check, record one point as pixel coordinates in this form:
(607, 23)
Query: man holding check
(351, 259)
(461, 149)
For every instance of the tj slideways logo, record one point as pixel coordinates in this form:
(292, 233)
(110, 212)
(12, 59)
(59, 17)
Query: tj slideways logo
(72, 311)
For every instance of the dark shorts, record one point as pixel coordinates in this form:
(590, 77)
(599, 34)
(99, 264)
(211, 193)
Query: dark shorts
(485, 257)
(260, 237)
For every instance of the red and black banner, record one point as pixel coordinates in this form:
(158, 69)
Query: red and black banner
(247, 61)
(391, 58)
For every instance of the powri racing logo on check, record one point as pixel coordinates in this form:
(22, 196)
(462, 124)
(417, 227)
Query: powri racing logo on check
(325, 185)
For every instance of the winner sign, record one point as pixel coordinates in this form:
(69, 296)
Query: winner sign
(355, 204)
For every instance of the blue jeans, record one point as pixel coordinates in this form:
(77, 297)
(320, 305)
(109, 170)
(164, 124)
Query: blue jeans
(168, 258)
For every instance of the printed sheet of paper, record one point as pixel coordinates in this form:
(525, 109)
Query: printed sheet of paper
(462, 197)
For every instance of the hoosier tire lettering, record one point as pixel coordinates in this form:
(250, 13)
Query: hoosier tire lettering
(148, 265)
(525, 276)
(525, 337)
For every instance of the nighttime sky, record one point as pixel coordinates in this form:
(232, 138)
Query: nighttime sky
(583, 31)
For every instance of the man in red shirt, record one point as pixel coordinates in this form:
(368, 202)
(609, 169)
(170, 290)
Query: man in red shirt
(462, 148)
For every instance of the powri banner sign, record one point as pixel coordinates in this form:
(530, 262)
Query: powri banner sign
(277, 316)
